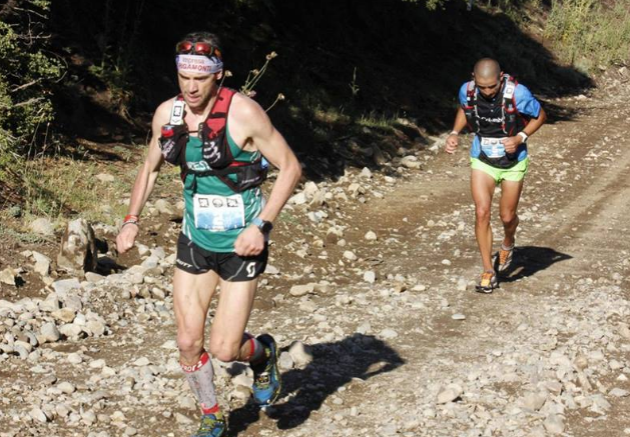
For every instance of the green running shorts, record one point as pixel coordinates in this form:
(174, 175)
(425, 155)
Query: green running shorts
(515, 174)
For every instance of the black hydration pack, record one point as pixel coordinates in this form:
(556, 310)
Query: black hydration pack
(218, 160)
(509, 123)
(512, 122)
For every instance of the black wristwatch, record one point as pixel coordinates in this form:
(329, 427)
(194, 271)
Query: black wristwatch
(264, 226)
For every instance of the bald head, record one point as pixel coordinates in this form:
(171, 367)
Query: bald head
(487, 68)
(487, 76)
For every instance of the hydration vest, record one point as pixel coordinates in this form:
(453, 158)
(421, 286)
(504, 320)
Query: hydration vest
(218, 160)
(512, 122)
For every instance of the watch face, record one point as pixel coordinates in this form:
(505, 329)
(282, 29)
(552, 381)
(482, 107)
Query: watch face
(266, 227)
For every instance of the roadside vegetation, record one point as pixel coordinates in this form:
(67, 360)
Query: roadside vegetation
(590, 34)
(28, 70)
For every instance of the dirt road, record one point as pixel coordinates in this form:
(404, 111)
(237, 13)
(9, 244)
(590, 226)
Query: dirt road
(400, 342)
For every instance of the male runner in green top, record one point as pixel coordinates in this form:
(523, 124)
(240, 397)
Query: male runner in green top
(503, 114)
(219, 138)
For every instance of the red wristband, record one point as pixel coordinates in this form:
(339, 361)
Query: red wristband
(131, 218)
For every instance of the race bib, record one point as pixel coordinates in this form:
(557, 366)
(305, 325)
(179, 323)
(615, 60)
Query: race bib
(218, 213)
(493, 147)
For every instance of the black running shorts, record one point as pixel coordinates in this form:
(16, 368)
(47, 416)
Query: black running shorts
(229, 266)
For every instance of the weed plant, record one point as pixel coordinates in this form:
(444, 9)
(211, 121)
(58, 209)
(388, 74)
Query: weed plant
(8, 233)
(589, 34)
(254, 76)
(378, 121)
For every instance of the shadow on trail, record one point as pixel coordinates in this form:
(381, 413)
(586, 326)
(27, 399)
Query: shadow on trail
(529, 260)
(558, 113)
(334, 365)
(107, 265)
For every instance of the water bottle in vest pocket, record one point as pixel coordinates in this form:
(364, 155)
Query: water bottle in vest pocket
(173, 142)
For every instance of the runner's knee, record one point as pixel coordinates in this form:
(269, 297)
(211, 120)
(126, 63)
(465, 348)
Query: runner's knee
(189, 344)
(508, 217)
(482, 213)
(224, 351)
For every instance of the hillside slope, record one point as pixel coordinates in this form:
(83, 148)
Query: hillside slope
(342, 66)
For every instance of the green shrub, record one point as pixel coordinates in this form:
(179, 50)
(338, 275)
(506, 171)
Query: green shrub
(588, 34)
(27, 73)
(27, 70)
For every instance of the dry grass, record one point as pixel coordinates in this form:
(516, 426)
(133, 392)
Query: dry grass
(588, 34)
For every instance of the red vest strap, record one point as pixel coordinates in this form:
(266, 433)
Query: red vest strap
(224, 99)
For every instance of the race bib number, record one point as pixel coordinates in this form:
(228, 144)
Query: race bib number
(218, 213)
(493, 147)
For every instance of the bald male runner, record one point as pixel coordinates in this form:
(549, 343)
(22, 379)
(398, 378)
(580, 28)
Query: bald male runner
(502, 114)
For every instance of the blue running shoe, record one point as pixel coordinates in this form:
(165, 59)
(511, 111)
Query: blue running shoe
(212, 425)
(267, 383)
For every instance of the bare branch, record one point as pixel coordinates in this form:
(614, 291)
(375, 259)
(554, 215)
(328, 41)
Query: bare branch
(28, 102)
(26, 85)
(32, 12)
(33, 37)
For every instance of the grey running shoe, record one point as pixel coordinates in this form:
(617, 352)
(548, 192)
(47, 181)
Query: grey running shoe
(505, 258)
(488, 282)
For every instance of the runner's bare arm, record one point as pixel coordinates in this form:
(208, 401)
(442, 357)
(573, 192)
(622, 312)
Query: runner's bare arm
(264, 137)
(145, 180)
(511, 143)
(452, 141)
(535, 123)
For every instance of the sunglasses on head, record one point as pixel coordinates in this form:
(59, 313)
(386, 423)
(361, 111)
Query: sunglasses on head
(197, 48)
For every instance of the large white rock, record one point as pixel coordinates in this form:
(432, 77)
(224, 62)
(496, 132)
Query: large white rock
(66, 387)
(42, 226)
(534, 401)
(366, 173)
(71, 330)
(63, 286)
(164, 207)
(350, 256)
(51, 303)
(38, 415)
(42, 263)
(285, 361)
(410, 161)
(450, 393)
(298, 199)
(388, 334)
(78, 247)
(554, 424)
(105, 177)
(302, 290)
(7, 276)
(371, 236)
(300, 354)
(310, 189)
(49, 332)
(182, 420)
